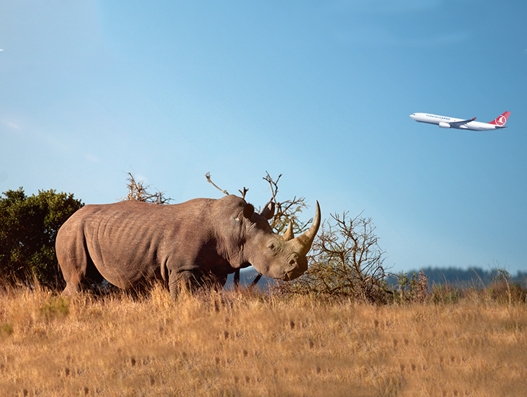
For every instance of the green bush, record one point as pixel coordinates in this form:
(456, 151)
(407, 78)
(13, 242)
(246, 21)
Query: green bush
(28, 228)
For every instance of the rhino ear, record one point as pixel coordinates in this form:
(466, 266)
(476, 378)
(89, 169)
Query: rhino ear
(248, 211)
(268, 211)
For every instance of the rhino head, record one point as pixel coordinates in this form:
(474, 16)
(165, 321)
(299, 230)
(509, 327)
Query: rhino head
(272, 255)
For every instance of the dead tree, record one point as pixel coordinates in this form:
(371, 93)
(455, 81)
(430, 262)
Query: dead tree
(347, 263)
(138, 191)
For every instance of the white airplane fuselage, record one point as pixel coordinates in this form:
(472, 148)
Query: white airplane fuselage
(451, 122)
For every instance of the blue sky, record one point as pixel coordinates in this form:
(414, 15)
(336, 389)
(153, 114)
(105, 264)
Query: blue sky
(319, 92)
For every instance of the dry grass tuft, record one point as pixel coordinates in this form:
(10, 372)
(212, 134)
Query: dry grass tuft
(248, 344)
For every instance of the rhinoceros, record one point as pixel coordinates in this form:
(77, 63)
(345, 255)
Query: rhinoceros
(132, 243)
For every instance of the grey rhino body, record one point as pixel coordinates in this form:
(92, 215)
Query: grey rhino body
(132, 243)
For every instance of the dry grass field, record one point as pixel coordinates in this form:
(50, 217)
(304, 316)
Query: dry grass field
(242, 344)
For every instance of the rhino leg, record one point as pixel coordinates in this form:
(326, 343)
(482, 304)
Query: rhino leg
(74, 282)
(73, 274)
(80, 273)
(182, 281)
(72, 288)
(191, 281)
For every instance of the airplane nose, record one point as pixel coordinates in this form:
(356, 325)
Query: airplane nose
(412, 116)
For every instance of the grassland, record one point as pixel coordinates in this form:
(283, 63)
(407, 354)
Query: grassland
(242, 344)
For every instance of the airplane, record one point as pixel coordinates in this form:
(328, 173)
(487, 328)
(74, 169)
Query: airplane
(470, 124)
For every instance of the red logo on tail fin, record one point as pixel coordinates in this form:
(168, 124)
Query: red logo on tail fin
(501, 119)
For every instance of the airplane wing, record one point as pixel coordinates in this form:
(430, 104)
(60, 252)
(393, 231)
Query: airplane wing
(457, 124)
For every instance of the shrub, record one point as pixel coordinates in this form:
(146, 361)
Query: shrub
(411, 289)
(503, 290)
(347, 262)
(28, 228)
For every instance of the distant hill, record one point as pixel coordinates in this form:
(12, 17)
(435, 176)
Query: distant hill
(472, 276)
(246, 278)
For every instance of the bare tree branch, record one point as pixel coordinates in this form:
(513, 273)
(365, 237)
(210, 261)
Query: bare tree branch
(243, 192)
(272, 184)
(138, 191)
(207, 175)
(346, 262)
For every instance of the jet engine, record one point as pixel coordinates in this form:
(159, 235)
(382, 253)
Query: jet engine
(442, 124)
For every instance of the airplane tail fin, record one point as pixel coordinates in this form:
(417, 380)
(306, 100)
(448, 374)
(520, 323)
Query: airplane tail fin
(501, 119)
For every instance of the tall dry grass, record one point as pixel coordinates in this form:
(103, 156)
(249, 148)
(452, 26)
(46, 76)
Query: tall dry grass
(241, 344)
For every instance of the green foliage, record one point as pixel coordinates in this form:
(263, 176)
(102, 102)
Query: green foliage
(28, 228)
(56, 307)
(6, 329)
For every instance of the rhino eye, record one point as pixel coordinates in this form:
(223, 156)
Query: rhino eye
(272, 246)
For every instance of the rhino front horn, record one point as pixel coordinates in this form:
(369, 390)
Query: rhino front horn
(302, 244)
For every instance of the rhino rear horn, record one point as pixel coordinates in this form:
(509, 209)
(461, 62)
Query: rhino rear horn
(288, 235)
(302, 244)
